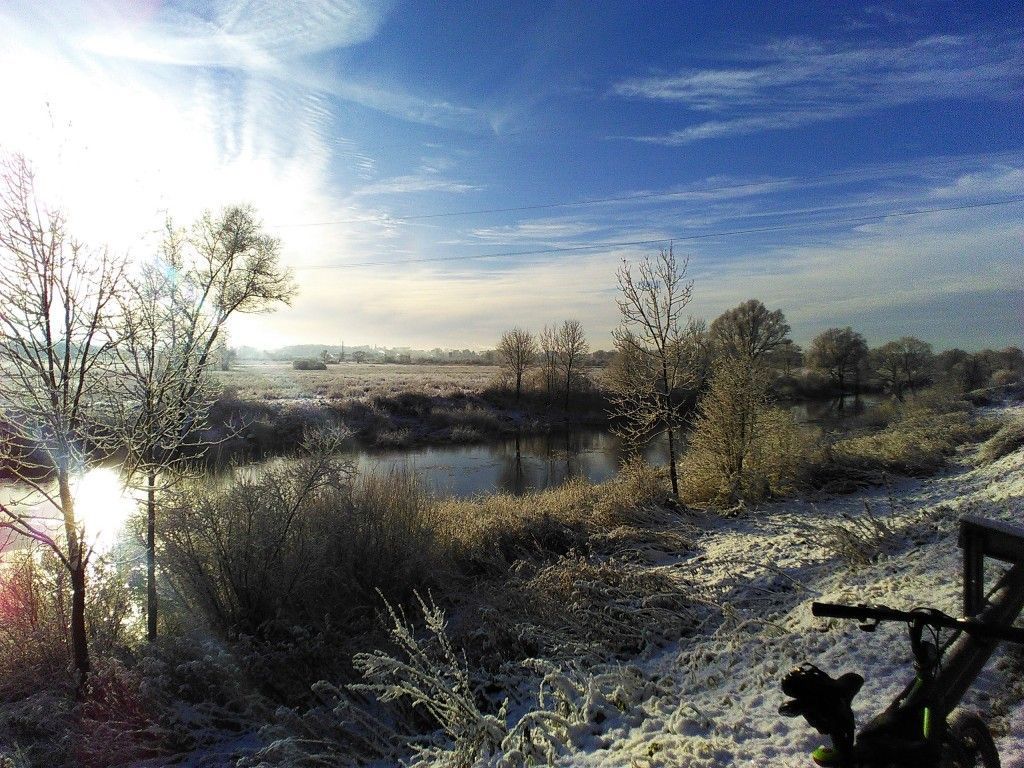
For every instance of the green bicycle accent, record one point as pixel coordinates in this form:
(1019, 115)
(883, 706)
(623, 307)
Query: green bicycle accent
(826, 756)
(927, 722)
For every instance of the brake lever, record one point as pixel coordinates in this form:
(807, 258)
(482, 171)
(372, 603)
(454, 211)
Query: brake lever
(868, 625)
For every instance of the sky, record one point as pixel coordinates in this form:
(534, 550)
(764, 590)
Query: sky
(440, 172)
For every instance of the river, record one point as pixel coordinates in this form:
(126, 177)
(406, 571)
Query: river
(522, 464)
(514, 465)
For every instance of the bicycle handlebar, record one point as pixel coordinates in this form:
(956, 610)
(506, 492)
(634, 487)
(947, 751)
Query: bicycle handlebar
(930, 617)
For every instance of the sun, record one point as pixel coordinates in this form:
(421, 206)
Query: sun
(102, 506)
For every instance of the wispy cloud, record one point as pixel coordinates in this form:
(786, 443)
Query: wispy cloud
(402, 185)
(260, 34)
(272, 40)
(796, 82)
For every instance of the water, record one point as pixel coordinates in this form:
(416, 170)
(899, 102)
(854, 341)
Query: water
(514, 465)
(832, 413)
(519, 465)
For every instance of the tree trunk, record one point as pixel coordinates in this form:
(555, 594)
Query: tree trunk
(669, 425)
(672, 462)
(79, 640)
(76, 566)
(568, 381)
(151, 599)
(519, 384)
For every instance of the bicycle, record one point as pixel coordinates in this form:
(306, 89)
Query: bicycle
(915, 730)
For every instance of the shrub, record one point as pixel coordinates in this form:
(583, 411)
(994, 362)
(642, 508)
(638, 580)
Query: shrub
(914, 438)
(1005, 377)
(573, 608)
(309, 364)
(35, 605)
(488, 535)
(425, 681)
(860, 540)
(741, 448)
(303, 542)
(917, 444)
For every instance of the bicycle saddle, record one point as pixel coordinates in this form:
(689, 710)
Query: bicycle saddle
(823, 701)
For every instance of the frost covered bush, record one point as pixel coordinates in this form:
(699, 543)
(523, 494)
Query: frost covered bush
(33, 624)
(1008, 439)
(741, 448)
(309, 364)
(35, 607)
(487, 536)
(854, 539)
(862, 539)
(116, 723)
(302, 543)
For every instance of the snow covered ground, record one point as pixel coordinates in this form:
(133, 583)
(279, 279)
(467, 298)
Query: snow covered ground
(712, 699)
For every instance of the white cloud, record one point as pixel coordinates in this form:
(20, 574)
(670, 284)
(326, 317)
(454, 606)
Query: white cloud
(798, 81)
(402, 185)
(255, 34)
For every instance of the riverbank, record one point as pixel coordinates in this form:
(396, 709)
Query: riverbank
(265, 409)
(620, 607)
(723, 613)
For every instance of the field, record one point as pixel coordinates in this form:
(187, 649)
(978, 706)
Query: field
(279, 381)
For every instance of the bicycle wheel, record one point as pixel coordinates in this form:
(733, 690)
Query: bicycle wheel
(971, 742)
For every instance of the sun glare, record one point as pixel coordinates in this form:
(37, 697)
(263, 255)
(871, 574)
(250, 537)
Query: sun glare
(102, 506)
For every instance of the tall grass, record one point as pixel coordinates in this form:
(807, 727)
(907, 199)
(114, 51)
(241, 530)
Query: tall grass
(917, 440)
(302, 543)
(1007, 440)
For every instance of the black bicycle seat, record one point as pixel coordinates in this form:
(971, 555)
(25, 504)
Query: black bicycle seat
(809, 683)
(825, 702)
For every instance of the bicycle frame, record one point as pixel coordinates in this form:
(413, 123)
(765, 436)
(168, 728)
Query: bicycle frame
(913, 729)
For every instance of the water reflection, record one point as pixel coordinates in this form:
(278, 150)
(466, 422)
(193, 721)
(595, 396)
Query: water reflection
(831, 413)
(525, 463)
(515, 465)
(102, 507)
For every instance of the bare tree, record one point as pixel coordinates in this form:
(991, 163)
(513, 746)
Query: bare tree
(55, 340)
(517, 351)
(839, 352)
(572, 345)
(548, 342)
(656, 350)
(174, 319)
(750, 330)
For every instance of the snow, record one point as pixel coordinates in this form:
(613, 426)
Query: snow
(711, 698)
(716, 695)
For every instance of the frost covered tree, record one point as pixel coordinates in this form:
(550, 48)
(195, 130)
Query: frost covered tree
(656, 350)
(59, 300)
(750, 330)
(839, 352)
(173, 328)
(517, 351)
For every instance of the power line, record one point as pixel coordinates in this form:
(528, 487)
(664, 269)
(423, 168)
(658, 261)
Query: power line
(853, 172)
(675, 238)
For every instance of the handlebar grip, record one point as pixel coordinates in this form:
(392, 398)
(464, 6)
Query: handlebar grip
(836, 611)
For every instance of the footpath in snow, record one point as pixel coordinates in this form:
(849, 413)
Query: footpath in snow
(712, 699)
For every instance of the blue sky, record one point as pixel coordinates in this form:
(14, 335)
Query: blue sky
(770, 141)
